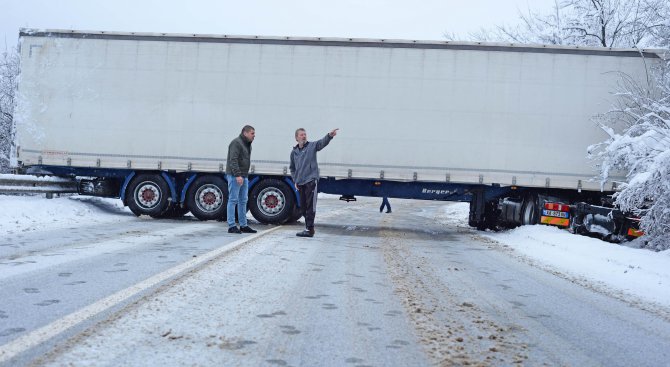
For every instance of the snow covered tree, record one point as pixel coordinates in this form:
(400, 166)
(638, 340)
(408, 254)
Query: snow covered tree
(597, 23)
(614, 23)
(9, 71)
(639, 125)
(533, 27)
(642, 150)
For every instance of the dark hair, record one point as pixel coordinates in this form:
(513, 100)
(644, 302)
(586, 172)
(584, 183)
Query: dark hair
(247, 128)
(299, 130)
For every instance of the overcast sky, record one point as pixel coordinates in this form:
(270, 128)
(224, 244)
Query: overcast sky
(418, 19)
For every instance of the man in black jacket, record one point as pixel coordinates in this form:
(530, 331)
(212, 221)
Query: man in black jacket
(305, 174)
(237, 175)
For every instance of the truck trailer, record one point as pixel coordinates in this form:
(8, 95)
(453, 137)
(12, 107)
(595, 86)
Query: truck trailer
(147, 118)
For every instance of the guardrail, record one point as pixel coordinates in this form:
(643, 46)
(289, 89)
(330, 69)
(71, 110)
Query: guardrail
(27, 184)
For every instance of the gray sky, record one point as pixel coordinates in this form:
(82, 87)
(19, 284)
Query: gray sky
(418, 19)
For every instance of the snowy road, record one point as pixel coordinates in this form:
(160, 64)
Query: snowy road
(45, 275)
(371, 289)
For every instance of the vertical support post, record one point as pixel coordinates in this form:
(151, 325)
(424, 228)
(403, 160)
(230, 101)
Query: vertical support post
(477, 208)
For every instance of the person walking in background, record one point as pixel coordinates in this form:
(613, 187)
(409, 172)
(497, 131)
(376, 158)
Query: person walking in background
(385, 203)
(237, 174)
(305, 174)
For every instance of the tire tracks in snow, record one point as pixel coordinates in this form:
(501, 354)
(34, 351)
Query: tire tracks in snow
(453, 331)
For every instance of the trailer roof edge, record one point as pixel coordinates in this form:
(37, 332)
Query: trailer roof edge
(345, 42)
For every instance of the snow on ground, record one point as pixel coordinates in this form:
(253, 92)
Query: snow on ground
(21, 213)
(623, 269)
(31, 178)
(639, 272)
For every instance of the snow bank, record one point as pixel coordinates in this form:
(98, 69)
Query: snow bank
(35, 212)
(623, 269)
(640, 272)
(30, 178)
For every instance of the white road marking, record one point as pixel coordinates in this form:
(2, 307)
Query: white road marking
(32, 339)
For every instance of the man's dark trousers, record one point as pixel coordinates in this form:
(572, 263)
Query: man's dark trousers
(308, 203)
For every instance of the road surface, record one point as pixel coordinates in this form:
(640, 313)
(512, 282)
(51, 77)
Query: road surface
(371, 289)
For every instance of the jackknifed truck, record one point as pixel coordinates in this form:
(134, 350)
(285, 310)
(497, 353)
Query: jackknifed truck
(147, 118)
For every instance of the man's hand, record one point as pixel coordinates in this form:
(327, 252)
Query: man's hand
(296, 187)
(239, 180)
(333, 133)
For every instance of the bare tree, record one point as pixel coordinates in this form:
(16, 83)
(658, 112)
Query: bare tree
(533, 27)
(614, 23)
(604, 23)
(9, 71)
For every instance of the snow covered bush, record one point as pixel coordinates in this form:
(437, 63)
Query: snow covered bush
(641, 149)
(9, 70)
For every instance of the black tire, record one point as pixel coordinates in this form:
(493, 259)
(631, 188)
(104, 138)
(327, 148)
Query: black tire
(175, 211)
(207, 197)
(147, 194)
(296, 213)
(530, 210)
(237, 217)
(271, 201)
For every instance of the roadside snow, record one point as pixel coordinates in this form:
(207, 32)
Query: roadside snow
(21, 213)
(30, 178)
(639, 272)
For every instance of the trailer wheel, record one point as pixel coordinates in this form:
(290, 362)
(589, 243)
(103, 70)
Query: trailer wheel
(271, 201)
(530, 211)
(207, 197)
(148, 194)
(175, 211)
(296, 213)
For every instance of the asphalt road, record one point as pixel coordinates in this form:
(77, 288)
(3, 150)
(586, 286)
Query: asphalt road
(370, 289)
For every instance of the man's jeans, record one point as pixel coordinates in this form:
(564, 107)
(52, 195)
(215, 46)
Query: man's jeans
(237, 195)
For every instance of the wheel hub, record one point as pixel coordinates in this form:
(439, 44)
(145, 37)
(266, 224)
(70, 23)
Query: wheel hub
(209, 198)
(148, 195)
(271, 201)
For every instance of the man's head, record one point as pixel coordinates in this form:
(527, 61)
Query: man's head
(301, 136)
(249, 132)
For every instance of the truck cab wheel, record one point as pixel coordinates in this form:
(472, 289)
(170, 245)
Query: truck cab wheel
(147, 194)
(207, 197)
(271, 201)
(530, 213)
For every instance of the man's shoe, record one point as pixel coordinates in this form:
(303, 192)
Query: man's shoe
(247, 229)
(234, 230)
(388, 211)
(305, 233)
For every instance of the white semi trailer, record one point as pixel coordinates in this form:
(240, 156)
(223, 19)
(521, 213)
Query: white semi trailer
(147, 118)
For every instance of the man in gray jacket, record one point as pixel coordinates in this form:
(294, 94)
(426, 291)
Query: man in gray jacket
(305, 174)
(237, 175)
